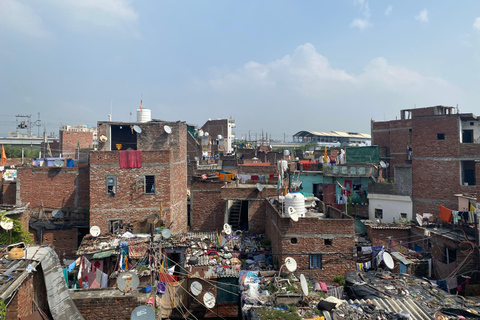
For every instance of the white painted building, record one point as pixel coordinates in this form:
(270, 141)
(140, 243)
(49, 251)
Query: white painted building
(389, 208)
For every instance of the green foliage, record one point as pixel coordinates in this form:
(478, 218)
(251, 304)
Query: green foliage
(340, 279)
(273, 314)
(3, 309)
(16, 152)
(18, 233)
(265, 242)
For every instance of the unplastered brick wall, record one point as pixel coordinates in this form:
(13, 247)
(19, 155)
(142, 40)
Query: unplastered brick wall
(385, 236)
(52, 187)
(207, 206)
(113, 308)
(64, 242)
(70, 140)
(252, 169)
(9, 192)
(22, 304)
(333, 239)
(130, 203)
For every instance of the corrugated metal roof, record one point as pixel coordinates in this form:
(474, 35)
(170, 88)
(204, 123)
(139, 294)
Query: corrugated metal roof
(397, 305)
(402, 259)
(334, 134)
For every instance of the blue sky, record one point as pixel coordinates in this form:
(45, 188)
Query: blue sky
(276, 66)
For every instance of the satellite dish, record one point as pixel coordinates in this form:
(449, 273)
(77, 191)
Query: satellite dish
(206, 134)
(103, 138)
(58, 214)
(6, 224)
(388, 260)
(95, 231)
(209, 300)
(219, 137)
(303, 283)
(227, 228)
(166, 233)
(196, 288)
(143, 313)
(419, 220)
(127, 282)
(382, 164)
(137, 129)
(291, 264)
(58, 163)
(167, 129)
(259, 187)
(292, 212)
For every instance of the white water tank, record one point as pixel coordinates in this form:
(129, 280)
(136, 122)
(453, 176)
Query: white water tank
(144, 115)
(297, 201)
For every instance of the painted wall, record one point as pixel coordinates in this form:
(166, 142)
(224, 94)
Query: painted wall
(391, 205)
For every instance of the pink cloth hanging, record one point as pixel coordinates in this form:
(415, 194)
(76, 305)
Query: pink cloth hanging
(130, 159)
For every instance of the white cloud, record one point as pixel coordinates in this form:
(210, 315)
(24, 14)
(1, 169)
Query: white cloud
(20, 17)
(313, 95)
(94, 15)
(422, 16)
(388, 11)
(476, 24)
(362, 23)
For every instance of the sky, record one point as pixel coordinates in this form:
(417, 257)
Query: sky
(274, 66)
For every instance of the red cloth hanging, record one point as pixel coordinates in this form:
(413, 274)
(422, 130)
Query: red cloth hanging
(445, 214)
(130, 159)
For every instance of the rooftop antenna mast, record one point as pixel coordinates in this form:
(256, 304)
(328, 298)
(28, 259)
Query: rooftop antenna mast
(111, 111)
(24, 124)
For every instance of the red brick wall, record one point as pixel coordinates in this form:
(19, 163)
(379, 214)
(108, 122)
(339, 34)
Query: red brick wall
(130, 203)
(64, 242)
(114, 308)
(69, 141)
(207, 206)
(56, 187)
(378, 237)
(22, 304)
(310, 234)
(9, 192)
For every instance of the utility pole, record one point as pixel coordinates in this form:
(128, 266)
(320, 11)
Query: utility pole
(284, 138)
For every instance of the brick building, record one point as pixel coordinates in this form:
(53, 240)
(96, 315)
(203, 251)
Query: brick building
(443, 148)
(321, 244)
(222, 127)
(71, 137)
(139, 169)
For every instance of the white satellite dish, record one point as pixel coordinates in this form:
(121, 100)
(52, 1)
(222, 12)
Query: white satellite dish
(383, 164)
(303, 283)
(227, 228)
(292, 212)
(388, 260)
(291, 264)
(167, 129)
(196, 288)
(206, 134)
(419, 220)
(58, 163)
(137, 129)
(103, 138)
(209, 300)
(95, 231)
(259, 187)
(166, 233)
(6, 224)
(143, 313)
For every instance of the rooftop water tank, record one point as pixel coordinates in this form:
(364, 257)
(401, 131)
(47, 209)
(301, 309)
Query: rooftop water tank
(297, 201)
(144, 115)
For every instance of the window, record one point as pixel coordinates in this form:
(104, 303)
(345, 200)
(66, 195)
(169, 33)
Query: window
(378, 213)
(115, 226)
(149, 184)
(111, 182)
(468, 173)
(315, 261)
(403, 215)
(467, 136)
(328, 242)
(450, 255)
(293, 241)
(440, 136)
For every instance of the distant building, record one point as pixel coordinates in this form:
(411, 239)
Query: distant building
(73, 137)
(220, 133)
(339, 137)
(443, 148)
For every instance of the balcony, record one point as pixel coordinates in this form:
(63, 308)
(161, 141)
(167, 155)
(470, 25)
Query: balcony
(347, 170)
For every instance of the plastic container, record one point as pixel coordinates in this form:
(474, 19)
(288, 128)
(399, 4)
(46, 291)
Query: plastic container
(70, 163)
(297, 201)
(144, 115)
(146, 288)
